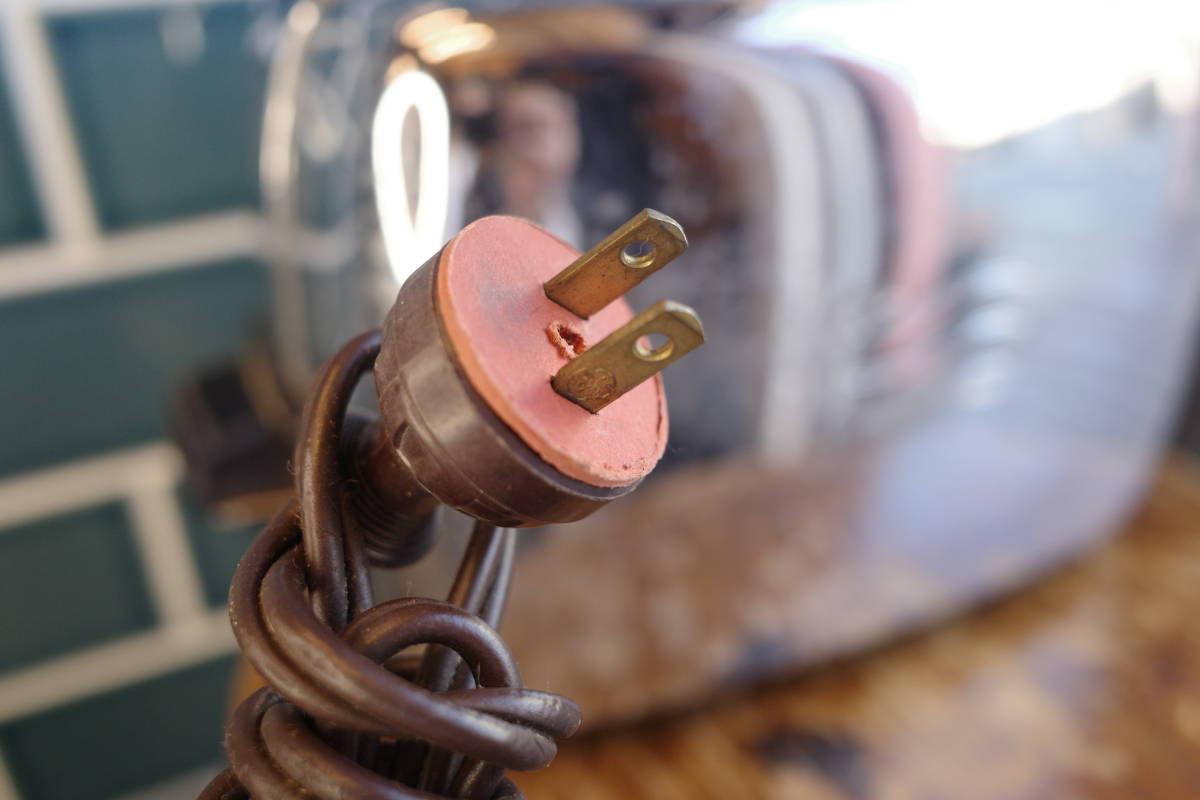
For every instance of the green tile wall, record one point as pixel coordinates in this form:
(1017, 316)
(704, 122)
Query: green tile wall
(162, 135)
(20, 217)
(165, 132)
(90, 369)
(216, 550)
(67, 582)
(109, 745)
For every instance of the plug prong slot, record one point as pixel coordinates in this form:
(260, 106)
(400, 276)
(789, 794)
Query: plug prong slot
(627, 356)
(626, 257)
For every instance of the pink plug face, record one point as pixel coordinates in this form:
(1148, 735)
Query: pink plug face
(510, 339)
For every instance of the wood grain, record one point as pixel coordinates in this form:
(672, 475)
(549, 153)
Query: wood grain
(1085, 686)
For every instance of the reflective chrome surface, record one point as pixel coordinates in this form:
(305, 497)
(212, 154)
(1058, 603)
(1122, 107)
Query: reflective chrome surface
(945, 253)
(847, 240)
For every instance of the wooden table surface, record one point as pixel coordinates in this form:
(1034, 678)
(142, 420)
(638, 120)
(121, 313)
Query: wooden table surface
(1085, 686)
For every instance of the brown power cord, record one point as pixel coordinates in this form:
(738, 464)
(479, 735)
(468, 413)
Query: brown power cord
(347, 711)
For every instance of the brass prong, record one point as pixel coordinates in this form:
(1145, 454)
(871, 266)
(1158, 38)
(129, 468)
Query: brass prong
(625, 258)
(620, 361)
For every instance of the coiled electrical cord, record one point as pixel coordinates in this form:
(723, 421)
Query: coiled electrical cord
(349, 711)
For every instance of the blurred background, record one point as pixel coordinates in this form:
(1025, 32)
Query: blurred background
(131, 254)
(946, 253)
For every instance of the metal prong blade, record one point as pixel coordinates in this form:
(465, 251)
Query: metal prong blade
(625, 258)
(620, 361)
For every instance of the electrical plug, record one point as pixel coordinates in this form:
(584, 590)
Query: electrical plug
(515, 383)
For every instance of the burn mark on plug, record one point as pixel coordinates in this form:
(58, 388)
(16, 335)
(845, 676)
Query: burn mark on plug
(566, 338)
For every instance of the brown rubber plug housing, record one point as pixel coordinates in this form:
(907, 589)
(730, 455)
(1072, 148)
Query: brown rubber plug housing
(463, 377)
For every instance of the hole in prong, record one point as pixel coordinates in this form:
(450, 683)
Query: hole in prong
(638, 255)
(653, 347)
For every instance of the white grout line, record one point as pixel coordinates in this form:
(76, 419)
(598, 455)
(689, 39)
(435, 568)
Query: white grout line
(41, 112)
(123, 662)
(145, 477)
(160, 534)
(150, 249)
(83, 483)
(8, 786)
